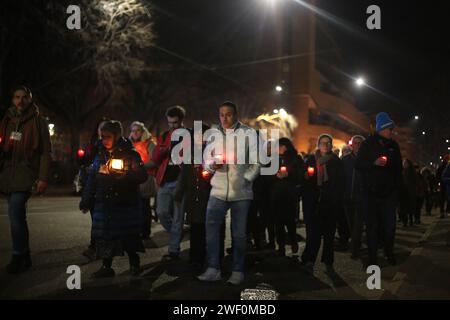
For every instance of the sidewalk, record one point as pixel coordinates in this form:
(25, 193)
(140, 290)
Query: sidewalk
(426, 274)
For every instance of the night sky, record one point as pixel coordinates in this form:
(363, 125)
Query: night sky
(404, 59)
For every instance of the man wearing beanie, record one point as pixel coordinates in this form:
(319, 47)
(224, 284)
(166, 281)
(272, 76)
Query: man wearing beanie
(380, 164)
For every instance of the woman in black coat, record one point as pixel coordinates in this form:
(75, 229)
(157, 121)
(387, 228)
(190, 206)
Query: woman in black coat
(284, 195)
(112, 189)
(324, 193)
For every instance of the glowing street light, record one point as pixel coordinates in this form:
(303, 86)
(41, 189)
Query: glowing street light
(423, 133)
(446, 140)
(275, 111)
(360, 82)
(278, 88)
(416, 118)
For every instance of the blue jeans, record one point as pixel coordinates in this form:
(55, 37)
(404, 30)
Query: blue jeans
(17, 212)
(170, 215)
(215, 214)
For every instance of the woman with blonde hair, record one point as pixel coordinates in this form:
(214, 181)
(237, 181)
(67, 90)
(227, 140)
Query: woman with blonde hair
(143, 143)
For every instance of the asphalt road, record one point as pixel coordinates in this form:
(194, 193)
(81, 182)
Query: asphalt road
(59, 233)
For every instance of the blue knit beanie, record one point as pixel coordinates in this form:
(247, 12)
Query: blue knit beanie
(383, 121)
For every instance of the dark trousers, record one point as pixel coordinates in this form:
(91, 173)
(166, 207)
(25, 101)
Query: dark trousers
(354, 214)
(323, 226)
(379, 215)
(428, 203)
(343, 227)
(133, 259)
(418, 209)
(309, 209)
(254, 223)
(17, 212)
(442, 201)
(197, 250)
(267, 220)
(146, 218)
(285, 211)
(407, 208)
(92, 242)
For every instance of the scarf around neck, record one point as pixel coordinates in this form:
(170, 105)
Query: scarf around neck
(322, 172)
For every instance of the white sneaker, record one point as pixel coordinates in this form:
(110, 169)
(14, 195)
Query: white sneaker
(210, 274)
(236, 278)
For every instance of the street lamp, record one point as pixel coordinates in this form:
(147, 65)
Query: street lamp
(275, 111)
(446, 140)
(278, 88)
(360, 82)
(416, 118)
(423, 132)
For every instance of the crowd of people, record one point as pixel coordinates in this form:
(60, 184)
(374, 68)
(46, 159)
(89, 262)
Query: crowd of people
(359, 193)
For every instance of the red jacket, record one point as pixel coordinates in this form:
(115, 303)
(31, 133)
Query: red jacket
(161, 157)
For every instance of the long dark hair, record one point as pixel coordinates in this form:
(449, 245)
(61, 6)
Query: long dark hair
(290, 149)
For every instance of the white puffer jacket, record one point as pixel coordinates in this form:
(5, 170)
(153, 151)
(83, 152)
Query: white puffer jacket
(234, 182)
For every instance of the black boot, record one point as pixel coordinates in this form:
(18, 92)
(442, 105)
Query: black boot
(135, 265)
(19, 263)
(104, 272)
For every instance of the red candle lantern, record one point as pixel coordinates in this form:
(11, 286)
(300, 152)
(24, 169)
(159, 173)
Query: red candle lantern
(311, 171)
(283, 169)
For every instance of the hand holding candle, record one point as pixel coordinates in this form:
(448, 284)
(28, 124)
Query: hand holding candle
(282, 173)
(205, 174)
(381, 161)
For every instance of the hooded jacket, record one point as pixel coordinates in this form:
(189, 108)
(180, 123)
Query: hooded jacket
(24, 162)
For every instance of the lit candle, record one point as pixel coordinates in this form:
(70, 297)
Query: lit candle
(311, 171)
(205, 174)
(80, 153)
(384, 158)
(117, 164)
(219, 158)
(283, 169)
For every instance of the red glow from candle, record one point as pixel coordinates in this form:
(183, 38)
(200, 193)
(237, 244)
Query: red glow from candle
(205, 174)
(283, 169)
(384, 158)
(311, 171)
(80, 153)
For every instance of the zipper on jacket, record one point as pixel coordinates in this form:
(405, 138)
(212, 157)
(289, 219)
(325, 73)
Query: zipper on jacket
(227, 184)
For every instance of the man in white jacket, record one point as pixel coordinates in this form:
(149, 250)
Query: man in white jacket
(231, 189)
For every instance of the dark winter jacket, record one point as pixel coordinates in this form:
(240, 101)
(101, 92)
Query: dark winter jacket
(439, 177)
(353, 179)
(24, 162)
(288, 187)
(446, 180)
(380, 181)
(410, 184)
(115, 197)
(333, 189)
(195, 187)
